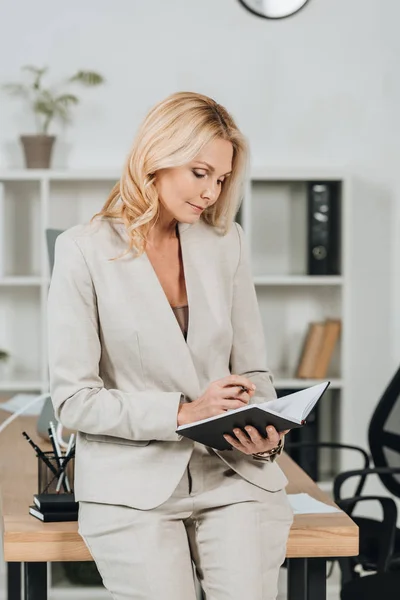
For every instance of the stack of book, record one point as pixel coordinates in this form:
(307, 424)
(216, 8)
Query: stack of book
(318, 348)
(54, 507)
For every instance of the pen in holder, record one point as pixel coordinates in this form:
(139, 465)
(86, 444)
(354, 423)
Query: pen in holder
(55, 474)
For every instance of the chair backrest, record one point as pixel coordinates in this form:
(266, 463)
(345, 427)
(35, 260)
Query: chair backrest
(51, 236)
(384, 434)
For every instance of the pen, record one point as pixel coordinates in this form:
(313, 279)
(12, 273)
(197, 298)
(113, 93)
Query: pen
(65, 462)
(53, 440)
(57, 452)
(60, 456)
(40, 454)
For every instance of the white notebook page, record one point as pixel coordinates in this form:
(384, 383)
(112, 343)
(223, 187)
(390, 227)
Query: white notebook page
(297, 405)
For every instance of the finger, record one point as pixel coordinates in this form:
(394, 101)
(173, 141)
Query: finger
(243, 391)
(235, 389)
(234, 442)
(243, 438)
(231, 403)
(255, 437)
(273, 435)
(236, 392)
(237, 380)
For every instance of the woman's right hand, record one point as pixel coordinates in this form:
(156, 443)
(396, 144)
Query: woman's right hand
(220, 396)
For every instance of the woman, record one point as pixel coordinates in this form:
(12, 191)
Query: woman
(153, 323)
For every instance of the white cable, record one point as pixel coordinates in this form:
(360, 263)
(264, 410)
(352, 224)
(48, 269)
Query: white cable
(22, 410)
(59, 427)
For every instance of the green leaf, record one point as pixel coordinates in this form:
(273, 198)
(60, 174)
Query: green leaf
(44, 108)
(37, 72)
(89, 78)
(46, 95)
(66, 100)
(16, 89)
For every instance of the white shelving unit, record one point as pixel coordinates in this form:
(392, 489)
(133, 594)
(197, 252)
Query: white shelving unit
(273, 215)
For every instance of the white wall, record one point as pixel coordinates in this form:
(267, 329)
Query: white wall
(321, 88)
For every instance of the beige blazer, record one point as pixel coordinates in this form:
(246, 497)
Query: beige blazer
(119, 362)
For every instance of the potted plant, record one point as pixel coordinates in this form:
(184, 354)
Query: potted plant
(47, 104)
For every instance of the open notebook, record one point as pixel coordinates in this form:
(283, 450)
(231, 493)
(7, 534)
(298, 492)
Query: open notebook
(287, 412)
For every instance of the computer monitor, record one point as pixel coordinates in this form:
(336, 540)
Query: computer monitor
(51, 236)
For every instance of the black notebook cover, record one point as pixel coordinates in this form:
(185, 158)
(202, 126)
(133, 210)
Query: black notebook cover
(211, 433)
(48, 517)
(55, 502)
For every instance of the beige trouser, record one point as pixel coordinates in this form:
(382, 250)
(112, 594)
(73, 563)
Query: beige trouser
(233, 531)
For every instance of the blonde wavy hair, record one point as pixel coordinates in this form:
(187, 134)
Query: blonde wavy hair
(172, 134)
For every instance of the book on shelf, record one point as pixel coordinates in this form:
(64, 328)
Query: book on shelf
(331, 335)
(286, 412)
(318, 348)
(310, 350)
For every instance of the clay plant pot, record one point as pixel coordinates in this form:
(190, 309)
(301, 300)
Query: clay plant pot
(37, 150)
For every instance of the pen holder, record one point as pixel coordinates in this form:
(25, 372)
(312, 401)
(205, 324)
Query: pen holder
(51, 478)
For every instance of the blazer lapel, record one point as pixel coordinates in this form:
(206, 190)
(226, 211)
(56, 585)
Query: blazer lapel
(159, 310)
(206, 304)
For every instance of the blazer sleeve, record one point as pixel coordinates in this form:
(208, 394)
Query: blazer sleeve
(248, 355)
(79, 397)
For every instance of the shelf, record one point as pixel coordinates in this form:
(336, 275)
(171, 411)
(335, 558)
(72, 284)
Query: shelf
(303, 280)
(279, 383)
(18, 380)
(257, 174)
(22, 385)
(60, 175)
(294, 383)
(21, 281)
(274, 216)
(260, 280)
(297, 174)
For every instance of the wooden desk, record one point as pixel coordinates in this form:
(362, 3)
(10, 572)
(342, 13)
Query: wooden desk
(313, 538)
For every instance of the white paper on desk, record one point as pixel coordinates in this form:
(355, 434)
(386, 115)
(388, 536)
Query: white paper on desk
(304, 504)
(20, 400)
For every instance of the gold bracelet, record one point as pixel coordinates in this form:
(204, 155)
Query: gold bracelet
(271, 452)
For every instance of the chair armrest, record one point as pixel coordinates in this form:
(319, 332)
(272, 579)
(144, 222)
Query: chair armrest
(389, 522)
(337, 446)
(363, 473)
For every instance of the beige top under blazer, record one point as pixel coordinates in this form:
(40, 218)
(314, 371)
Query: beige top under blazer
(119, 362)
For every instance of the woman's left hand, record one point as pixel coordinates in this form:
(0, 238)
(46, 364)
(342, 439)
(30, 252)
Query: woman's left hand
(252, 442)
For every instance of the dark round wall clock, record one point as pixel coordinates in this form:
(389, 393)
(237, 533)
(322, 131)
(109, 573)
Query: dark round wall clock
(273, 9)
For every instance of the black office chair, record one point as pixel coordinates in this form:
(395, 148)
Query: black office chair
(379, 540)
(384, 585)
